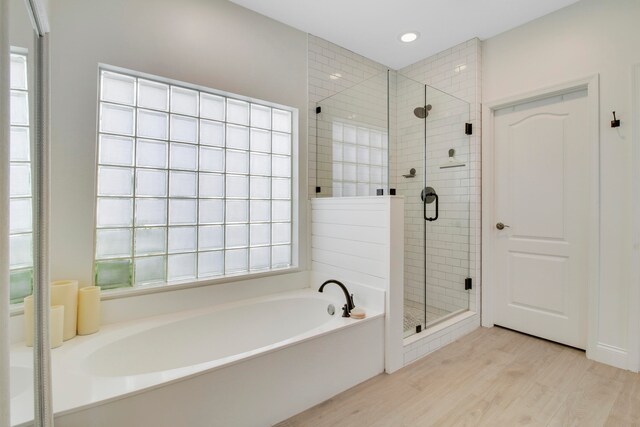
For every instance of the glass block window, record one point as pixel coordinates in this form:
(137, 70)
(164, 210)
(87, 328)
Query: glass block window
(192, 184)
(360, 162)
(20, 214)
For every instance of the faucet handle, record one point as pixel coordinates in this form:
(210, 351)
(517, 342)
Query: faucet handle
(345, 311)
(352, 304)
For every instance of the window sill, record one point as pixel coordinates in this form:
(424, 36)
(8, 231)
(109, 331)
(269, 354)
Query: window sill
(107, 295)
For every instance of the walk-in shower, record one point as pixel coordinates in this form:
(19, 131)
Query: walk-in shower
(393, 135)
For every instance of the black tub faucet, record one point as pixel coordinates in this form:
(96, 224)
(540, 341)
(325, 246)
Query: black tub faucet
(349, 305)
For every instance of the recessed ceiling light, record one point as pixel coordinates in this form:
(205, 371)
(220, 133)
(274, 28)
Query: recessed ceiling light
(410, 36)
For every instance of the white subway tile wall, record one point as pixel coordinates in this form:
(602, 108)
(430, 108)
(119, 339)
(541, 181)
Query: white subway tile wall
(191, 184)
(20, 205)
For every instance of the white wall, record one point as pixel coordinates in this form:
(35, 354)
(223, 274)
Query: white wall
(212, 43)
(589, 37)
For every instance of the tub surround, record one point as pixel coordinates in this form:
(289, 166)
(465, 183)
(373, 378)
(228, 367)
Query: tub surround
(88, 371)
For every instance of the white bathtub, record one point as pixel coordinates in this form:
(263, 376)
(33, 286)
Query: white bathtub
(249, 363)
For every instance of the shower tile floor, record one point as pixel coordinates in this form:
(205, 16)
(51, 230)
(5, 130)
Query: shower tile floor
(414, 314)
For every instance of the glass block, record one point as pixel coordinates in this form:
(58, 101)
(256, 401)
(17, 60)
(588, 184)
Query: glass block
(363, 154)
(118, 88)
(183, 211)
(260, 211)
(280, 256)
(181, 267)
(113, 243)
(211, 159)
(210, 264)
(281, 121)
(20, 250)
(184, 129)
(150, 241)
(363, 173)
(20, 180)
(337, 152)
(113, 274)
(18, 72)
(348, 189)
(20, 285)
(235, 261)
(236, 236)
(150, 270)
(153, 124)
(260, 234)
(211, 185)
(281, 143)
(184, 101)
(237, 137)
(115, 150)
(376, 157)
(260, 116)
(210, 237)
(336, 133)
(260, 258)
(237, 186)
(363, 189)
(115, 181)
(19, 144)
(385, 141)
(184, 156)
(237, 161)
(237, 211)
(19, 108)
(153, 95)
(212, 106)
(337, 189)
(151, 183)
(260, 164)
(281, 232)
(362, 136)
(260, 140)
(349, 134)
(375, 139)
(114, 212)
(280, 210)
(376, 174)
(117, 119)
(152, 154)
(237, 111)
(151, 212)
(281, 166)
(211, 211)
(211, 133)
(260, 187)
(183, 184)
(337, 171)
(281, 188)
(349, 153)
(182, 239)
(20, 217)
(349, 172)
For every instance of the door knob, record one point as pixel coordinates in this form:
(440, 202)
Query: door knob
(501, 226)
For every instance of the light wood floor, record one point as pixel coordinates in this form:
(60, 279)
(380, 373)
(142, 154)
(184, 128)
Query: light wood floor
(492, 377)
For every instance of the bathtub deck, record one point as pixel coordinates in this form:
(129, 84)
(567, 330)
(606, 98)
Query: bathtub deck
(491, 377)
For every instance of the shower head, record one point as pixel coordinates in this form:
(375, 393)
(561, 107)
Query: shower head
(422, 112)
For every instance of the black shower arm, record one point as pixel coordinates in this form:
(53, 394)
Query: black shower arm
(424, 205)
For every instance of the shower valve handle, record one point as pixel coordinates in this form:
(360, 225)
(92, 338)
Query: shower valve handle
(501, 226)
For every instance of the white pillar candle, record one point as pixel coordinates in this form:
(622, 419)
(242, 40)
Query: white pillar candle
(88, 310)
(65, 292)
(56, 326)
(56, 323)
(28, 321)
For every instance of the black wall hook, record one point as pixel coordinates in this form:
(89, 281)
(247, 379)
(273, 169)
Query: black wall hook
(615, 123)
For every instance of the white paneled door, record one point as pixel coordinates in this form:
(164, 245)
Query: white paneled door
(542, 220)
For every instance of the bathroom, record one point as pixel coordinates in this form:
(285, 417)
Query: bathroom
(434, 106)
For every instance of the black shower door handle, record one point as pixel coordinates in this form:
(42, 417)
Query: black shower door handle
(424, 204)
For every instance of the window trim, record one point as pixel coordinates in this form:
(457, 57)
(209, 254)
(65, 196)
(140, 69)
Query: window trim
(227, 278)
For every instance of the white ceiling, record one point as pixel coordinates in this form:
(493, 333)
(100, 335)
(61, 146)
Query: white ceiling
(372, 27)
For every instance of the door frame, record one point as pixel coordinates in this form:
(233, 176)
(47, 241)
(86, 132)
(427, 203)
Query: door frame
(634, 285)
(488, 296)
